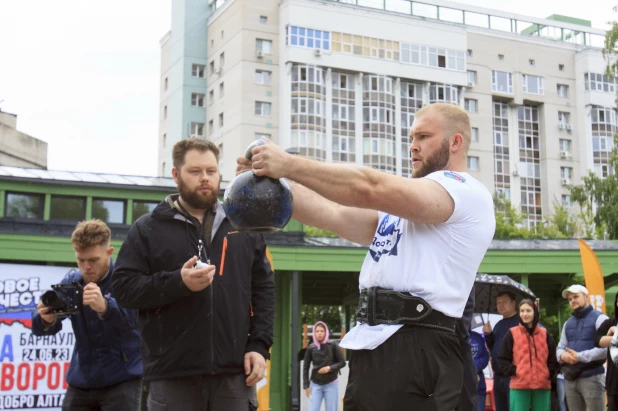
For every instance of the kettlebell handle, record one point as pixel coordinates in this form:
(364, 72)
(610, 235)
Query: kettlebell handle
(248, 154)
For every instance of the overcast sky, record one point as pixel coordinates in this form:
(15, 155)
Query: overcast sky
(84, 75)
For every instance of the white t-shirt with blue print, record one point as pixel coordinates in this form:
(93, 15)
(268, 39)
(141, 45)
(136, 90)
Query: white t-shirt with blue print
(437, 262)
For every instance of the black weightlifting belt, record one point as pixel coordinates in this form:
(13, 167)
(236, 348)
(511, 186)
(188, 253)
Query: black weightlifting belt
(380, 306)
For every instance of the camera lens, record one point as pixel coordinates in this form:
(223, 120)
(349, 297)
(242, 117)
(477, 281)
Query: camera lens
(53, 300)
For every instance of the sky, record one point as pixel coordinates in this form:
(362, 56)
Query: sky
(83, 76)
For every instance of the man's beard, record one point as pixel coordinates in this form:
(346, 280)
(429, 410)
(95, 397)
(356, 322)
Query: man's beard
(195, 199)
(435, 162)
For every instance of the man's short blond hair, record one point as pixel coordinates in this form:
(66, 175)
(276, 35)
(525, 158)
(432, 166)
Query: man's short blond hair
(91, 233)
(456, 120)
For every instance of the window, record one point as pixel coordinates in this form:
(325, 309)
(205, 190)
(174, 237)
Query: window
(221, 60)
(164, 140)
(212, 43)
(165, 84)
(566, 173)
(197, 129)
(67, 208)
(566, 201)
(471, 78)
(475, 134)
(260, 135)
(444, 93)
(142, 207)
(263, 19)
(262, 77)
(471, 105)
(563, 118)
(211, 97)
(262, 108)
(212, 67)
(599, 82)
(531, 62)
(211, 127)
(263, 46)
(221, 89)
(165, 112)
(313, 39)
(469, 52)
(562, 90)
(222, 34)
(109, 211)
(502, 82)
(565, 146)
(500, 57)
(561, 67)
(532, 84)
(473, 163)
(197, 99)
(220, 120)
(22, 205)
(198, 70)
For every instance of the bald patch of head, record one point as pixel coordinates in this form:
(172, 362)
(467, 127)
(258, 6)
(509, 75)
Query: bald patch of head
(455, 120)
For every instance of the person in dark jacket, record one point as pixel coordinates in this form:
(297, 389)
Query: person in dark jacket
(205, 293)
(327, 360)
(481, 359)
(507, 307)
(106, 367)
(581, 362)
(528, 356)
(603, 339)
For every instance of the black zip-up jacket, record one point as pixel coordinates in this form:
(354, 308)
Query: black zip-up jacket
(329, 354)
(188, 333)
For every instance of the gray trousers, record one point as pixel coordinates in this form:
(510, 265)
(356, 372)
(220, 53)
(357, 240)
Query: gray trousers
(586, 393)
(224, 392)
(120, 397)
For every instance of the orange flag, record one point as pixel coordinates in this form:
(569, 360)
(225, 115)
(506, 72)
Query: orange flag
(593, 276)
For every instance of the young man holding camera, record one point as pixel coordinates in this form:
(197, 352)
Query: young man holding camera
(106, 368)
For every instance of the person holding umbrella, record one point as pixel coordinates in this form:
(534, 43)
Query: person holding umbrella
(506, 305)
(528, 357)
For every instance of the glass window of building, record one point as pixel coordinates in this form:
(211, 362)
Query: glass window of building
(142, 207)
(502, 82)
(532, 84)
(67, 208)
(473, 163)
(24, 205)
(110, 211)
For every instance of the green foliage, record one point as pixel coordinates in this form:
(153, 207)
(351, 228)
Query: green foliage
(318, 232)
(330, 315)
(509, 222)
(553, 323)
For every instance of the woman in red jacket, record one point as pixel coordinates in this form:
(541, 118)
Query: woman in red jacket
(528, 355)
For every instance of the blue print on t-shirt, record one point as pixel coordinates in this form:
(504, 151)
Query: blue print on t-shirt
(387, 238)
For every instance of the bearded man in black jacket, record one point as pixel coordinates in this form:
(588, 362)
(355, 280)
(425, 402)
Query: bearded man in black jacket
(205, 293)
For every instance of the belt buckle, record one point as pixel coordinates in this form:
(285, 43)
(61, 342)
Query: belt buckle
(372, 293)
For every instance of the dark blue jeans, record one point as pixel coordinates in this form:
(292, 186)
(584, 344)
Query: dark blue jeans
(501, 392)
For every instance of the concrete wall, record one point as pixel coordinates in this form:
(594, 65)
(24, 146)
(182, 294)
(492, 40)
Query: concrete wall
(18, 149)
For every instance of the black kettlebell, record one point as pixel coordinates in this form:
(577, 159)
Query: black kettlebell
(257, 204)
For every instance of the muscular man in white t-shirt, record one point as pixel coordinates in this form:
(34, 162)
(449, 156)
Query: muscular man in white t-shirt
(427, 236)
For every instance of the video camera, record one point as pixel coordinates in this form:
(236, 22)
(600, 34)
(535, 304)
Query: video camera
(64, 299)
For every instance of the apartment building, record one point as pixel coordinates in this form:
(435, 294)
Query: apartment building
(342, 80)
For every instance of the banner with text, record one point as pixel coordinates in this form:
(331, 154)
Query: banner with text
(33, 369)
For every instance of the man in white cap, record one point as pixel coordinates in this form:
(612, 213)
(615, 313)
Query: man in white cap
(581, 362)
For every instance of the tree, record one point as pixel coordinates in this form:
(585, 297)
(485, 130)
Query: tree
(328, 314)
(597, 196)
(509, 222)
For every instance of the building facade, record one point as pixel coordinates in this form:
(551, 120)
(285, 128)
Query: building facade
(18, 149)
(342, 80)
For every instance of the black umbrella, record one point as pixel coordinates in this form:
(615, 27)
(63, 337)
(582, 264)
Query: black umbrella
(487, 287)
